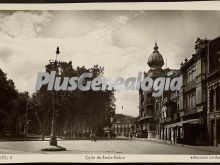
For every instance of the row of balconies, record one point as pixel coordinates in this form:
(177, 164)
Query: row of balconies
(170, 117)
(173, 116)
(192, 84)
(190, 110)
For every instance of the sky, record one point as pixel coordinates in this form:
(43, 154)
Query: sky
(120, 41)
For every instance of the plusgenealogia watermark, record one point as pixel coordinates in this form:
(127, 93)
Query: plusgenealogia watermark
(85, 83)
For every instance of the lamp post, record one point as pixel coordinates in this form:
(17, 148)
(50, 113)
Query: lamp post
(53, 138)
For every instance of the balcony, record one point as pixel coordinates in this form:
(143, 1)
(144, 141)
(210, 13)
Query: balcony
(169, 102)
(215, 112)
(175, 117)
(166, 119)
(145, 117)
(149, 104)
(189, 86)
(190, 110)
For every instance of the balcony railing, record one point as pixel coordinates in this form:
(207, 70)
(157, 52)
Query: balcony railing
(217, 111)
(190, 85)
(190, 110)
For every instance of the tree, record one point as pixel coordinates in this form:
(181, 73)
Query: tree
(8, 95)
(75, 110)
(19, 116)
(41, 102)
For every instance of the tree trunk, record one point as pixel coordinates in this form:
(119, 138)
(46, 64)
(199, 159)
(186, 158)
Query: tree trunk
(45, 124)
(42, 134)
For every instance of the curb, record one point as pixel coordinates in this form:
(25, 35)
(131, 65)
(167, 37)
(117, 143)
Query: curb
(180, 145)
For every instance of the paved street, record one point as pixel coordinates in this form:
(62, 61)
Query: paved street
(100, 146)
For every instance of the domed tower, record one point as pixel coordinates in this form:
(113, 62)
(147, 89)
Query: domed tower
(155, 62)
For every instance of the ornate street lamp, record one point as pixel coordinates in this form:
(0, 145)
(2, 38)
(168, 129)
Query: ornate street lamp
(53, 139)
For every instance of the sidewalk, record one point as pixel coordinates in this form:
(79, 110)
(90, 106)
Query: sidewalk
(204, 148)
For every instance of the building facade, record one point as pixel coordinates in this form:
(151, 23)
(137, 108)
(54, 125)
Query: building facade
(193, 111)
(192, 114)
(148, 123)
(169, 117)
(122, 125)
(213, 87)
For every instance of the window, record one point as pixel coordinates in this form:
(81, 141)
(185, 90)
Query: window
(142, 113)
(211, 103)
(193, 99)
(191, 74)
(188, 100)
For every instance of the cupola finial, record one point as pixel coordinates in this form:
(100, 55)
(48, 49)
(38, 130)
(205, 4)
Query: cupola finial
(156, 48)
(155, 60)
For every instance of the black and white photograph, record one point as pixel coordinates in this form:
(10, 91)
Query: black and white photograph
(107, 84)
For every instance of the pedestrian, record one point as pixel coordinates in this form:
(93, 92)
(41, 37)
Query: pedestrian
(65, 134)
(182, 138)
(172, 140)
(94, 137)
(131, 137)
(91, 136)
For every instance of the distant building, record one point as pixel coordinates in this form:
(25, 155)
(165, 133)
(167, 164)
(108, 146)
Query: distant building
(122, 125)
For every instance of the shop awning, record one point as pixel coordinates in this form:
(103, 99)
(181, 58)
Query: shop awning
(179, 124)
